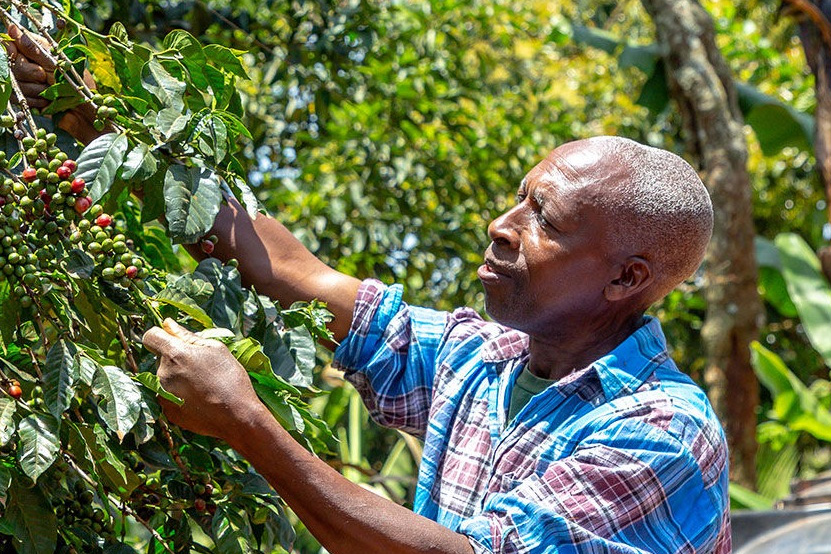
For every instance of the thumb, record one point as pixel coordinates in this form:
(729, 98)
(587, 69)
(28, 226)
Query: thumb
(160, 342)
(183, 334)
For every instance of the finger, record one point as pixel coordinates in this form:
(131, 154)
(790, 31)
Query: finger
(31, 91)
(160, 342)
(37, 102)
(25, 70)
(180, 332)
(11, 50)
(35, 51)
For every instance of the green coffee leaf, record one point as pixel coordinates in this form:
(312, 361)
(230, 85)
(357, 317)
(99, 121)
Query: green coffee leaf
(38, 444)
(120, 398)
(60, 374)
(192, 201)
(8, 407)
(151, 381)
(5, 81)
(157, 80)
(171, 122)
(193, 57)
(226, 59)
(99, 162)
(139, 164)
(249, 353)
(302, 347)
(35, 526)
(185, 304)
(230, 529)
(225, 305)
(79, 264)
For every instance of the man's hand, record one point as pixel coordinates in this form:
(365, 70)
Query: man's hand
(34, 69)
(216, 389)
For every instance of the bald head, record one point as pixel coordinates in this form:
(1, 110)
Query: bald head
(657, 206)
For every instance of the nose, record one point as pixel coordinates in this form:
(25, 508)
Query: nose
(503, 229)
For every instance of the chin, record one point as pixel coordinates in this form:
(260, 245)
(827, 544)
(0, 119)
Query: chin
(501, 316)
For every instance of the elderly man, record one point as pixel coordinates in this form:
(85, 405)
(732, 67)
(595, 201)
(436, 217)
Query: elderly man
(563, 427)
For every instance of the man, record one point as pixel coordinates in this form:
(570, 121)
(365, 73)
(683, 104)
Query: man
(615, 450)
(563, 427)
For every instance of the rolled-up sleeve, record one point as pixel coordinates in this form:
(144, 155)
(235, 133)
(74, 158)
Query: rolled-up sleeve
(609, 496)
(390, 355)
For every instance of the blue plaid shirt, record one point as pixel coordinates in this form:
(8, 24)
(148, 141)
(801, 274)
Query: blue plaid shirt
(624, 456)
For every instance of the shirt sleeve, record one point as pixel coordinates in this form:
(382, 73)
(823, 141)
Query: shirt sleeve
(624, 495)
(390, 356)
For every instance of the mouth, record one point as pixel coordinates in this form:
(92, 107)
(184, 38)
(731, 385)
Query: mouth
(491, 271)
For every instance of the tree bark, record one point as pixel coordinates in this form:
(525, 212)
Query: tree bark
(701, 84)
(814, 18)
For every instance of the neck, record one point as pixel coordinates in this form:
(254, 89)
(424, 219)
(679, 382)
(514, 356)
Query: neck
(555, 355)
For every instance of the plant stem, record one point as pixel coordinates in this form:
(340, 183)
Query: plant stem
(172, 447)
(131, 361)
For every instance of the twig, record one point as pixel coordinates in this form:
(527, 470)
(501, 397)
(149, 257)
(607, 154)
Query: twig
(131, 361)
(35, 363)
(172, 446)
(21, 100)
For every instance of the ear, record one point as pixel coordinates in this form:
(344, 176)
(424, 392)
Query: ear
(635, 275)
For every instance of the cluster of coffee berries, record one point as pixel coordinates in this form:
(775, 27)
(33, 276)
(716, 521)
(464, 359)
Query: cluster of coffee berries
(110, 250)
(37, 210)
(105, 111)
(79, 511)
(203, 490)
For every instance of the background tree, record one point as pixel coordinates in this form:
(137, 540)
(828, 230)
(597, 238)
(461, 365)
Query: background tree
(702, 85)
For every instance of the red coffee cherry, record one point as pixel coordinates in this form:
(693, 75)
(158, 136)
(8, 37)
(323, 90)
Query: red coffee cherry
(104, 221)
(15, 391)
(29, 174)
(82, 204)
(77, 186)
(207, 246)
(70, 165)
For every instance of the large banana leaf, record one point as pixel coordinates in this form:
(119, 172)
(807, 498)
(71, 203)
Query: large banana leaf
(808, 289)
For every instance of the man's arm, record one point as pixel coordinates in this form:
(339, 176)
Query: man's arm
(219, 401)
(275, 263)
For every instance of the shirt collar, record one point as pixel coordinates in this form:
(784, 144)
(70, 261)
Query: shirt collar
(622, 370)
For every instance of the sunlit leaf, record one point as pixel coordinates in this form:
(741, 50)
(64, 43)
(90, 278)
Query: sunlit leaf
(120, 398)
(99, 162)
(193, 197)
(38, 444)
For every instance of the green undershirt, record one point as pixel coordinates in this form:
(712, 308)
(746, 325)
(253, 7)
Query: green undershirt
(527, 385)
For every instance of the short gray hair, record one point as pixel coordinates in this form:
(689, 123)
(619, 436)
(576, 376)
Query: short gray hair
(663, 211)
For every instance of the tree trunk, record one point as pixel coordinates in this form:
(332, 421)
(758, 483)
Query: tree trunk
(814, 17)
(702, 85)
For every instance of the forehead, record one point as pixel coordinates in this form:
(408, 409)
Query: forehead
(566, 176)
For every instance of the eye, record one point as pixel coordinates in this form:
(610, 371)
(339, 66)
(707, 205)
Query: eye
(520, 196)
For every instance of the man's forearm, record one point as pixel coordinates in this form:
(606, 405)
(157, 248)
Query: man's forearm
(275, 263)
(344, 517)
